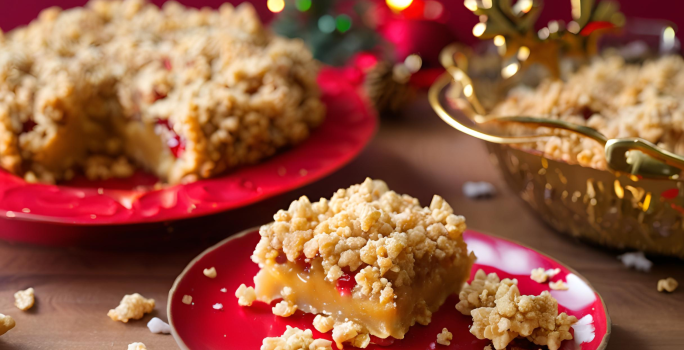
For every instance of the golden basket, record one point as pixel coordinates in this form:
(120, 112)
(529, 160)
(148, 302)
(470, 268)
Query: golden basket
(637, 204)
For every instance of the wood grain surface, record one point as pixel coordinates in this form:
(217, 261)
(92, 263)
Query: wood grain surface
(416, 154)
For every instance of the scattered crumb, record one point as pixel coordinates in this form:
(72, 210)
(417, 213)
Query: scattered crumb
(137, 346)
(479, 189)
(558, 285)
(218, 306)
(245, 295)
(636, 260)
(295, 339)
(133, 306)
(6, 323)
(488, 347)
(187, 299)
(445, 337)
(669, 284)
(224, 290)
(210, 272)
(348, 332)
(480, 292)
(157, 326)
(284, 309)
(24, 299)
(323, 324)
(540, 275)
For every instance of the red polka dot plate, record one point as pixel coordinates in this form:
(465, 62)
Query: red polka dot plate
(201, 326)
(349, 125)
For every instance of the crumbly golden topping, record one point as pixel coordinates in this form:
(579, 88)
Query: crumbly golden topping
(614, 97)
(133, 306)
(388, 238)
(540, 275)
(558, 285)
(296, 339)
(6, 323)
(210, 272)
(246, 295)
(669, 284)
(351, 332)
(445, 337)
(515, 315)
(24, 299)
(481, 292)
(137, 346)
(323, 323)
(87, 81)
(187, 299)
(284, 309)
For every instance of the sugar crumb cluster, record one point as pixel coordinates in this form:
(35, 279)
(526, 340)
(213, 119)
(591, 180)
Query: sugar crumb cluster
(295, 339)
(133, 306)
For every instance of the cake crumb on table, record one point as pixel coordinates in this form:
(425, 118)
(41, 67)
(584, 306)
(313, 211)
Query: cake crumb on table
(245, 295)
(137, 346)
(323, 323)
(187, 299)
(295, 339)
(445, 337)
(210, 272)
(667, 285)
(24, 299)
(6, 323)
(284, 309)
(558, 285)
(133, 306)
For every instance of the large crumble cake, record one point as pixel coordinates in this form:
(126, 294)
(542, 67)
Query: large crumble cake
(184, 93)
(368, 261)
(614, 97)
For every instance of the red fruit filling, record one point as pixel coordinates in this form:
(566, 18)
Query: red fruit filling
(345, 284)
(175, 143)
(28, 125)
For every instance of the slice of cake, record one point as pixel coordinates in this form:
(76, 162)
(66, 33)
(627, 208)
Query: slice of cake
(371, 262)
(185, 93)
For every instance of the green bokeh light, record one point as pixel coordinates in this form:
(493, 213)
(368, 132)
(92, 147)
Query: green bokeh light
(303, 5)
(344, 23)
(326, 24)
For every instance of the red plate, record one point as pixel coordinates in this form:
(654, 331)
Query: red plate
(200, 326)
(349, 125)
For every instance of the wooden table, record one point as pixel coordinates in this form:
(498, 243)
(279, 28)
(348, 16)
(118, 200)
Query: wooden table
(416, 154)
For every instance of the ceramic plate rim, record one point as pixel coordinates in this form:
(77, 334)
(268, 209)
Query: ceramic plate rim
(602, 346)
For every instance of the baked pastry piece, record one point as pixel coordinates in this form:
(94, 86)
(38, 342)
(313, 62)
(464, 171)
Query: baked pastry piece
(370, 261)
(183, 92)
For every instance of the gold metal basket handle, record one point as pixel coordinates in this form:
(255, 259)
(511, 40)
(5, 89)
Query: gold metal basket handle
(648, 160)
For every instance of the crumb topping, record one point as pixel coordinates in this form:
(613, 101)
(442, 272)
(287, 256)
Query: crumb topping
(387, 239)
(350, 332)
(444, 338)
(558, 285)
(137, 346)
(296, 339)
(284, 309)
(210, 272)
(187, 299)
(133, 306)
(6, 323)
(323, 323)
(540, 275)
(481, 292)
(515, 315)
(667, 285)
(24, 299)
(246, 295)
(612, 96)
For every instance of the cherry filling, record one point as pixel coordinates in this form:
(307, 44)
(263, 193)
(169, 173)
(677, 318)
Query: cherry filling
(381, 342)
(345, 284)
(28, 125)
(175, 143)
(587, 113)
(167, 63)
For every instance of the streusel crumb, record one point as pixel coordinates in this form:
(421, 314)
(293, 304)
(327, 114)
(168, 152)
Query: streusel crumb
(137, 346)
(540, 275)
(481, 292)
(558, 285)
(445, 337)
(348, 332)
(245, 295)
(369, 225)
(284, 309)
(323, 323)
(488, 347)
(6, 323)
(187, 299)
(669, 284)
(24, 299)
(296, 339)
(515, 315)
(210, 272)
(133, 306)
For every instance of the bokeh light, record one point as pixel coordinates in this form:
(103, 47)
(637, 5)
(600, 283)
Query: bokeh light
(343, 23)
(303, 5)
(275, 6)
(326, 24)
(399, 5)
